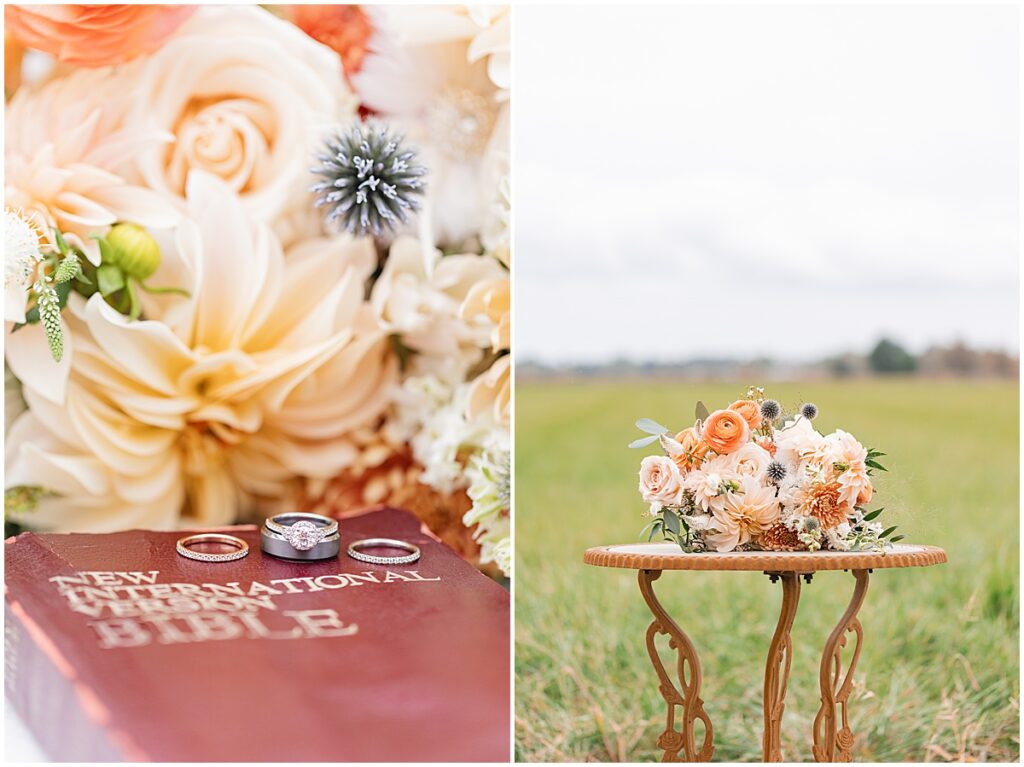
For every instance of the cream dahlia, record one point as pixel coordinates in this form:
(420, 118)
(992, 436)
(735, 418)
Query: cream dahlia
(212, 402)
(744, 515)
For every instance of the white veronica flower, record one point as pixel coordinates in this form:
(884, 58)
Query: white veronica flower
(22, 255)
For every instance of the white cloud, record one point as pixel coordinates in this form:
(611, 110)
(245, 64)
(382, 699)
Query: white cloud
(842, 171)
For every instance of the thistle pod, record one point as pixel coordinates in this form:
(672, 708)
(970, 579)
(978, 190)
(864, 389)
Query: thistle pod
(770, 410)
(133, 250)
(809, 411)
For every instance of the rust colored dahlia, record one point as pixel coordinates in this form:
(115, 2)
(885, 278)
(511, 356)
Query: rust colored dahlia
(780, 538)
(822, 502)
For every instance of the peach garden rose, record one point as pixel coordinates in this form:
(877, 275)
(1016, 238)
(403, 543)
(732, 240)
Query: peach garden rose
(246, 97)
(660, 481)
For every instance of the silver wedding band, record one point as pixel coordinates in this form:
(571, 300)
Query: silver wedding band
(354, 551)
(240, 546)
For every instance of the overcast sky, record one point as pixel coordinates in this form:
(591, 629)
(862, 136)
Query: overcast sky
(788, 181)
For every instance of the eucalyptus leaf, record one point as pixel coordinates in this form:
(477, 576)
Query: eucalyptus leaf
(897, 538)
(873, 514)
(643, 441)
(651, 427)
(887, 532)
(671, 522)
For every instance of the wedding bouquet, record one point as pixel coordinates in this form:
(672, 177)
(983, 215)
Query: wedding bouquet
(257, 259)
(751, 477)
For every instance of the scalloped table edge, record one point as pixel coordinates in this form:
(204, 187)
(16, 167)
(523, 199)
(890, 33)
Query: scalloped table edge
(776, 561)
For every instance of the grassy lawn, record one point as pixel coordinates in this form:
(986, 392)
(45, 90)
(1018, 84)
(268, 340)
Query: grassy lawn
(938, 676)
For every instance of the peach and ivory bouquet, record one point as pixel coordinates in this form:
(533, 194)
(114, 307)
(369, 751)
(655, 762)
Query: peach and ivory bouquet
(751, 477)
(240, 244)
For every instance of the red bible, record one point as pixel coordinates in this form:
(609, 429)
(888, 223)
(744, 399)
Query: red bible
(118, 648)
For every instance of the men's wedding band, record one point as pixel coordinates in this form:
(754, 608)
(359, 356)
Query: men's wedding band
(278, 546)
(354, 551)
(240, 546)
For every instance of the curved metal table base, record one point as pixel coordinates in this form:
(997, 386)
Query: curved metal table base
(832, 738)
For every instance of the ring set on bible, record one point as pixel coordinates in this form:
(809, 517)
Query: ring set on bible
(298, 537)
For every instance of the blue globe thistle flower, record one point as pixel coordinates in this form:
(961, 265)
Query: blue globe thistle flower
(371, 181)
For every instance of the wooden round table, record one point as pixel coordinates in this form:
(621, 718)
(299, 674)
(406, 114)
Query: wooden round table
(832, 738)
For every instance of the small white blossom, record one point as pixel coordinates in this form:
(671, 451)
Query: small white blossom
(22, 255)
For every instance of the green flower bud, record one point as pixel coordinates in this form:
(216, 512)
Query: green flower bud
(134, 250)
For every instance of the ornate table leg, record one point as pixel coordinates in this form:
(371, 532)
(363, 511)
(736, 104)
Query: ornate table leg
(776, 671)
(833, 692)
(687, 695)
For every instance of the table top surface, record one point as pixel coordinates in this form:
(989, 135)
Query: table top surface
(668, 556)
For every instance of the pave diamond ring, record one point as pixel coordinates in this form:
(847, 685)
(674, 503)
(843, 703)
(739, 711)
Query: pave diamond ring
(241, 548)
(303, 530)
(354, 551)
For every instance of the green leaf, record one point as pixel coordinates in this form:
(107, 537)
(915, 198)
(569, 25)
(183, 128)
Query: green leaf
(875, 465)
(887, 532)
(110, 279)
(651, 427)
(643, 441)
(873, 514)
(671, 522)
(701, 411)
(656, 529)
(63, 291)
(62, 244)
(897, 538)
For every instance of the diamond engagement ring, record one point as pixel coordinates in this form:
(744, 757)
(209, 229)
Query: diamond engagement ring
(303, 530)
(278, 546)
(241, 548)
(355, 551)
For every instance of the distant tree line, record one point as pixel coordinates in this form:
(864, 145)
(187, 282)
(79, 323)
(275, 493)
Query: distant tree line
(886, 358)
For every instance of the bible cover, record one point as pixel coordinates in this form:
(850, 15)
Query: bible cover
(118, 648)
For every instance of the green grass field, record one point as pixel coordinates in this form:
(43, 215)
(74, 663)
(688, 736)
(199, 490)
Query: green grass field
(938, 677)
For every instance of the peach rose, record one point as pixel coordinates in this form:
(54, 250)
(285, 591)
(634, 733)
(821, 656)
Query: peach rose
(750, 411)
(660, 481)
(725, 431)
(694, 450)
(94, 35)
(247, 97)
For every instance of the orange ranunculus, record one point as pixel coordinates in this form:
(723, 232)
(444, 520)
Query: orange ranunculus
(94, 35)
(694, 450)
(725, 431)
(750, 411)
(345, 29)
(865, 495)
(768, 444)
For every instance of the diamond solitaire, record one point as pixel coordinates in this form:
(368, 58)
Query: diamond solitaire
(303, 535)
